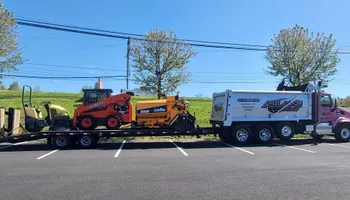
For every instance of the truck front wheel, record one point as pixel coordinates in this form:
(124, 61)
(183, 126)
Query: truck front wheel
(241, 134)
(285, 131)
(342, 133)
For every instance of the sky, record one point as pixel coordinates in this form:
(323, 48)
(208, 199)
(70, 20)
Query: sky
(234, 21)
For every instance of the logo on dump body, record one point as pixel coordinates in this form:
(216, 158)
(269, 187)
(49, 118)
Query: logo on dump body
(276, 105)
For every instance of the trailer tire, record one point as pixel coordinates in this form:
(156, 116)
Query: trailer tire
(342, 133)
(264, 134)
(86, 141)
(62, 142)
(285, 130)
(241, 134)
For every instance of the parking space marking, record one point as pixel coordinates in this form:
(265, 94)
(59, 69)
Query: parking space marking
(337, 145)
(300, 149)
(120, 149)
(12, 145)
(43, 156)
(180, 149)
(236, 147)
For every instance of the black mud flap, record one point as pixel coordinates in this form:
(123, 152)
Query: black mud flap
(183, 123)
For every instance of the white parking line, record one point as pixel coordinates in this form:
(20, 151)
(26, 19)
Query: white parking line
(12, 145)
(182, 151)
(119, 150)
(337, 145)
(300, 149)
(43, 156)
(236, 147)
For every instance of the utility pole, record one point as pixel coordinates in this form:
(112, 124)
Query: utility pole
(127, 64)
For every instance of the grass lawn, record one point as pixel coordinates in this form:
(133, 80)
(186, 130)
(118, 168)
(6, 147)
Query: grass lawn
(201, 107)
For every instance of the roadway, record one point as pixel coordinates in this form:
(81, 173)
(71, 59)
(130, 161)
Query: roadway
(177, 169)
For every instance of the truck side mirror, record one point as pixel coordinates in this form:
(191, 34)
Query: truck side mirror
(335, 103)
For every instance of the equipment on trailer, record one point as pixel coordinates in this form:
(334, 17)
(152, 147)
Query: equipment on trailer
(57, 117)
(169, 112)
(100, 108)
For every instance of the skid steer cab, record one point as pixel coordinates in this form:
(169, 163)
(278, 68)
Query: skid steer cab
(57, 117)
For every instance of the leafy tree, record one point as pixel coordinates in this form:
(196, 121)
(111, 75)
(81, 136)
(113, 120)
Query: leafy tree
(14, 86)
(10, 55)
(300, 58)
(159, 62)
(2, 87)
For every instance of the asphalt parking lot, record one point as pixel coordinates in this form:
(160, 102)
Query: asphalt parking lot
(177, 169)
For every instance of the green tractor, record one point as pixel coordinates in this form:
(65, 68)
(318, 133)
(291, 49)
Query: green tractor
(57, 117)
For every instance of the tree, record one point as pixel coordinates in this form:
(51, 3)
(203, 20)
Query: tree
(159, 62)
(14, 86)
(301, 59)
(10, 55)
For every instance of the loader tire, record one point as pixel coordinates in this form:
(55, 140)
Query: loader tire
(113, 122)
(87, 122)
(342, 133)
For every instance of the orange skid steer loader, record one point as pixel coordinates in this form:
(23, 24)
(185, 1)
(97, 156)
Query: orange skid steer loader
(100, 108)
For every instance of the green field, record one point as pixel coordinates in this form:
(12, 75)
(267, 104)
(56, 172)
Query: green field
(201, 107)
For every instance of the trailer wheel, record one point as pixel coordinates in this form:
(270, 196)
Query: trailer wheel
(241, 134)
(342, 133)
(87, 122)
(285, 131)
(62, 142)
(86, 141)
(113, 122)
(264, 134)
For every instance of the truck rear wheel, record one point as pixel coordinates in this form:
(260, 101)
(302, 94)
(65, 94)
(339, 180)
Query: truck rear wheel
(264, 134)
(342, 133)
(241, 134)
(62, 142)
(285, 131)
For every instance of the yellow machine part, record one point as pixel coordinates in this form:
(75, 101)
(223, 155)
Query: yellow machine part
(57, 110)
(34, 112)
(159, 113)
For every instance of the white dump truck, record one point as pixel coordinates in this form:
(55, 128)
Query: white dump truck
(239, 116)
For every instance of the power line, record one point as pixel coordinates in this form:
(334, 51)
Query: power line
(126, 37)
(135, 35)
(72, 67)
(60, 77)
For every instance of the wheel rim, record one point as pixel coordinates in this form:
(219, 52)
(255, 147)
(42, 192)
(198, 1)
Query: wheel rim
(86, 122)
(112, 122)
(286, 131)
(85, 141)
(265, 134)
(242, 135)
(345, 133)
(61, 141)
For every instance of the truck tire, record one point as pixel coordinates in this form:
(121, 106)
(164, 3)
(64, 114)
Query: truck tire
(264, 134)
(285, 130)
(86, 141)
(342, 133)
(62, 142)
(241, 134)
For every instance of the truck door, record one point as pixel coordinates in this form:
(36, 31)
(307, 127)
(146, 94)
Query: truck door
(327, 108)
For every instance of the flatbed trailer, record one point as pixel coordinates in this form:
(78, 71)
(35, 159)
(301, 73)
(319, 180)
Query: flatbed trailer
(88, 138)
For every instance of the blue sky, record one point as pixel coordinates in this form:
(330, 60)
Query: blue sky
(236, 21)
